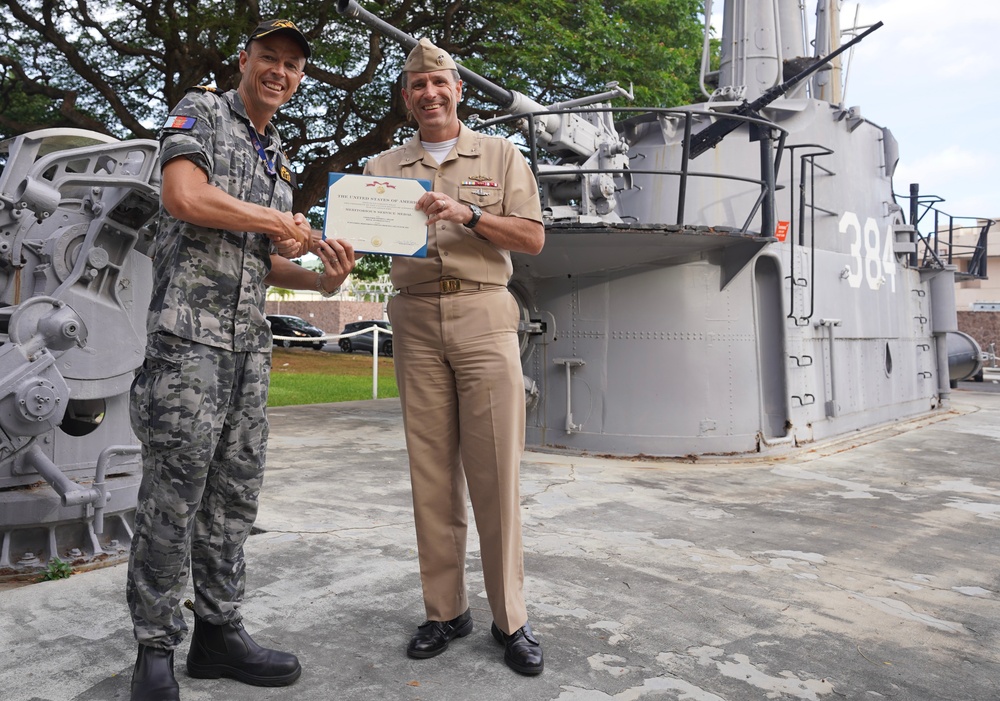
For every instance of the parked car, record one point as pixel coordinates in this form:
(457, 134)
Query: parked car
(287, 325)
(363, 341)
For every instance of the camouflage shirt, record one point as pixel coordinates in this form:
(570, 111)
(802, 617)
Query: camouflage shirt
(208, 284)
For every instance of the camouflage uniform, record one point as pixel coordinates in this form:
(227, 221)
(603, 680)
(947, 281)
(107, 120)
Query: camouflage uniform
(198, 403)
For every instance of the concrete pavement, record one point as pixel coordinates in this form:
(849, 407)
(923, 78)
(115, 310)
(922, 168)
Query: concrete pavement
(862, 569)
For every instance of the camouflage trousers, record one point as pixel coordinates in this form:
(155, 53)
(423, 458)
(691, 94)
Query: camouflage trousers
(199, 413)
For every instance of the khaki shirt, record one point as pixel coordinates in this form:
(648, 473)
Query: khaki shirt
(208, 284)
(484, 170)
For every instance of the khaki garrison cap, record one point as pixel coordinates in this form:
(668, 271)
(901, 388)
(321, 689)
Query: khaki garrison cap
(426, 58)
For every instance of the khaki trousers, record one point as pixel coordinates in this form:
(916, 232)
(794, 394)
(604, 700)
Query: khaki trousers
(460, 384)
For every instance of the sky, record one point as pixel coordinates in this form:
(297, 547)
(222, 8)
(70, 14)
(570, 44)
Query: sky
(930, 75)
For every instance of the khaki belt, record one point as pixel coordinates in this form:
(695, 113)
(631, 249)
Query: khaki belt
(447, 286)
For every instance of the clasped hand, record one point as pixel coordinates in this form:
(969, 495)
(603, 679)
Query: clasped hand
(295, 238)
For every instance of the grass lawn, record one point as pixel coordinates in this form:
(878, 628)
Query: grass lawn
(306, 376)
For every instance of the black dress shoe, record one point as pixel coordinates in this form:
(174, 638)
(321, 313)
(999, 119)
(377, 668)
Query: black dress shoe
(153, 675)
(432, 637)
(229, 651)
(522, 651)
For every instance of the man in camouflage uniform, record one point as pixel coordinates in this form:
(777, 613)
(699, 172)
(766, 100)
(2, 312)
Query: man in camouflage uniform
(198, 404)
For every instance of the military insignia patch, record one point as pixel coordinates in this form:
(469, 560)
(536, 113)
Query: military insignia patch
(285, 174)
(179, 122)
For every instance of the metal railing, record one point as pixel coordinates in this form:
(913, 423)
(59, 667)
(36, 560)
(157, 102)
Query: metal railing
(764, 131)
(939, 246)
(375, 330)
(797, 225)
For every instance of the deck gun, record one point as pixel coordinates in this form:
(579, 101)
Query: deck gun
(77, 215)
(583, 141)
(710, 136)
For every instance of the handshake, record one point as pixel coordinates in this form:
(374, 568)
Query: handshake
(294, 237)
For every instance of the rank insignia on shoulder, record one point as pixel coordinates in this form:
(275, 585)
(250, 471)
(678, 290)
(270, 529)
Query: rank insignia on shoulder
(285, 174)
(180, 122)
(206, 88)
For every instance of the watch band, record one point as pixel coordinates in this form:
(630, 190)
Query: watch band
(476, 216)
(319, 287)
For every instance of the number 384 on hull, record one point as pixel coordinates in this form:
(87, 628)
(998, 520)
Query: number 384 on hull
(734, 276)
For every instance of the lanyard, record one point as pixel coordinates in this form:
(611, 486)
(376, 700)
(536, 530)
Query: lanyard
(255, 140)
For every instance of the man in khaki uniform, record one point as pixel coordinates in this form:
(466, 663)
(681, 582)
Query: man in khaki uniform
(457, 358)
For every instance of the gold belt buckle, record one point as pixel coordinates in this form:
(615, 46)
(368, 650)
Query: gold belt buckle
(450, 285)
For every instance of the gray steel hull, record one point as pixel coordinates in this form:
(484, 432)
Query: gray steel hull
(700, 339)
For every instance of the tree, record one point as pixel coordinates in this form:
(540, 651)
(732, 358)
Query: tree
(370, 267)
(116, 66)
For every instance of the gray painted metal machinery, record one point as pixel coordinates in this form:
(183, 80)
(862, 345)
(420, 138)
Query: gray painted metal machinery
(696, 295)
(704, 295)
(75, 209)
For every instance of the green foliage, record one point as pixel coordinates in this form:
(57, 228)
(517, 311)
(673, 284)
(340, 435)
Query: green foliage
(280, 293)
(23, 112)
(371, 267)
(56, 569)
(319, 388)
(655, 44)
(117, 67)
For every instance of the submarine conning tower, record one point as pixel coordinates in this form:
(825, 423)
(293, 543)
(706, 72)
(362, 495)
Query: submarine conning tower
(730, 277)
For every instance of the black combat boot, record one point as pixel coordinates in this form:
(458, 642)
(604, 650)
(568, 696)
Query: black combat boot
(229, 651)
(153, 676)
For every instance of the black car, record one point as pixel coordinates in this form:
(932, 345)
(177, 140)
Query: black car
(363, 341)
(286, 325)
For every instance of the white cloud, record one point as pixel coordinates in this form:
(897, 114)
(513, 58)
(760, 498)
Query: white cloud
(962, 170)
(927, 76)
(952, 162)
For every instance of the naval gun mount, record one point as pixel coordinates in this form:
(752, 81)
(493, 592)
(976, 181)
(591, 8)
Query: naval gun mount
(76, 209)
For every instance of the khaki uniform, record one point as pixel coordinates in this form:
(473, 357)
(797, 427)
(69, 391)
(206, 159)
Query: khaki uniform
(459, 375)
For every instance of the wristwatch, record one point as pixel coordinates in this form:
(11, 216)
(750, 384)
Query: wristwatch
(319, 287)
(476, 214)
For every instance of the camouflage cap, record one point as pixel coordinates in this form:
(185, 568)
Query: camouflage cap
(426, 58)
(285, 26)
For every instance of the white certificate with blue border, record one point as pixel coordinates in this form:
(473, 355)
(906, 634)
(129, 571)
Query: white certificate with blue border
(377, 214)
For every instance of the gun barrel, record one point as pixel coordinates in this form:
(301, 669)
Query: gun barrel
(805, 73)
(710, 136)
(350, 8)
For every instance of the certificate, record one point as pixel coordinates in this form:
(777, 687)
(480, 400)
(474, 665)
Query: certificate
(377, 214)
